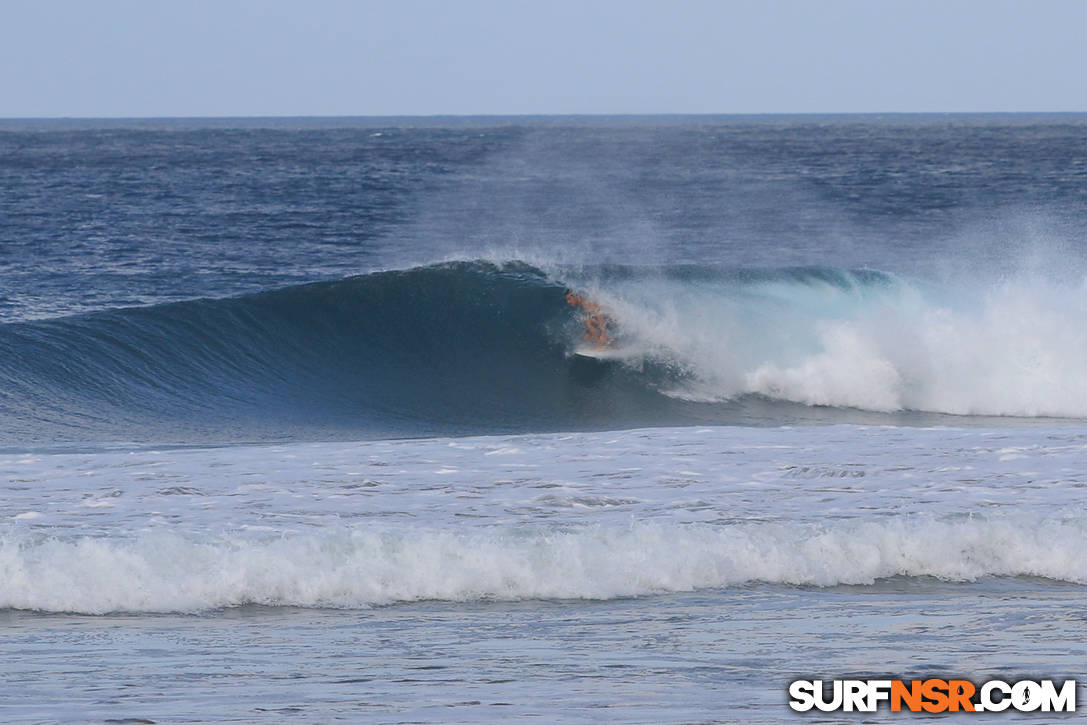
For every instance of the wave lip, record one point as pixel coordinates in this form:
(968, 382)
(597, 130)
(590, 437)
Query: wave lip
(373, 567)
(466, 348)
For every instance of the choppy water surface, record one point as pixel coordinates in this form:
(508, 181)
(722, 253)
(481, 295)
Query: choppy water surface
(661, 574)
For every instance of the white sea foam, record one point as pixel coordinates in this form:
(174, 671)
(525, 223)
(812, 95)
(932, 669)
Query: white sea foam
(366, 567)
(1017, 347)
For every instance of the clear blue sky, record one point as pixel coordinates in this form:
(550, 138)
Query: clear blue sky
(108, 58)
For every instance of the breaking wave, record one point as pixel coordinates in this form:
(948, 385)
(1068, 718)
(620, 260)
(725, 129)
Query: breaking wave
(361, 568)
(476, 347)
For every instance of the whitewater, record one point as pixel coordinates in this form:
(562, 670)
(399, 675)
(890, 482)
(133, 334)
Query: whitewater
(298, 423)
(683, 534)
(407, 352)
(617, 519)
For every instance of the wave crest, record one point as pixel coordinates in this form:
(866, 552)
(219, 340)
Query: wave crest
(362, 568)
(474, 347)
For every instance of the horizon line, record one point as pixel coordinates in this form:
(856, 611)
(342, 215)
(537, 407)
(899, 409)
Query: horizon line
(422, 116)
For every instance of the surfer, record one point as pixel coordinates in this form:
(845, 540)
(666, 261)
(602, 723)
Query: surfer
(596, 322)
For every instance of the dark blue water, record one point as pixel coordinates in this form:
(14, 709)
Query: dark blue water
(157, 277)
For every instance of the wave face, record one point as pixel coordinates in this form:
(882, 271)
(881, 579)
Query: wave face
(362, 568)
(476, 347)
(405, 351)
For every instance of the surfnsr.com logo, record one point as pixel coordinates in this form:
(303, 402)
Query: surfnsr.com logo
(933, 695)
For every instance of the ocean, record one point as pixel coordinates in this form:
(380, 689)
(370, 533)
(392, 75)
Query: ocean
(297, 423)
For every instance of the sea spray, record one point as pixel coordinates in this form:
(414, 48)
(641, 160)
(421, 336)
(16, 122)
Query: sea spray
(475, 347)
(861, 339)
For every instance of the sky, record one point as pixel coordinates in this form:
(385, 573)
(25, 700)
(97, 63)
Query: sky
(142, 58)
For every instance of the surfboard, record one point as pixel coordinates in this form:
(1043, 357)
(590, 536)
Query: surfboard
(603, 353)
